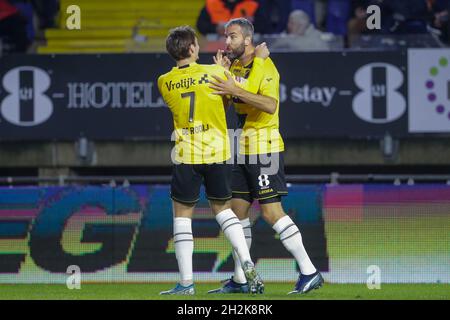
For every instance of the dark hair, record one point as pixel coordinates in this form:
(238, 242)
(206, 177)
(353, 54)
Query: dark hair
(247, 27)
(178, 42)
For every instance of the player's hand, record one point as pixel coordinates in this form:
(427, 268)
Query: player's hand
(222, 60)
(224, 87)
(261, 51)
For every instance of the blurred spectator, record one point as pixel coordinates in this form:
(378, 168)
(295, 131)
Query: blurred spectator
(13, 28)
(301, 35)
(439, 10)
(401, 17)
(217, 13)
(358, 22)
(272, 16)
(319, 11)
(404, 16)
(308, 6)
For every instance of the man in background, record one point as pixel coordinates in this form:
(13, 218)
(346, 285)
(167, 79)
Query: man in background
(216, 13)
(301, 35)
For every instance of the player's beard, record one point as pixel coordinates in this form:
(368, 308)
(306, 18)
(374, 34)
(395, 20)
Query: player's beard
(236, 53)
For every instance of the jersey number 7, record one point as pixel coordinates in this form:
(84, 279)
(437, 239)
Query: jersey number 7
(191, 96)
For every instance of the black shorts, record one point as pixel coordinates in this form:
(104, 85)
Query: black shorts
(188, 178)
(260, 179)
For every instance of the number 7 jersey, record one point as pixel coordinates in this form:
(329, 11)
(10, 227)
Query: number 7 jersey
(199, 120)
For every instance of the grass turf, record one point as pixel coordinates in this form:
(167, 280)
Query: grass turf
(274, 291)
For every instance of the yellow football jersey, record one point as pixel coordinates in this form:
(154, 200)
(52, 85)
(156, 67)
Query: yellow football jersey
(200, 126)
(260, 130)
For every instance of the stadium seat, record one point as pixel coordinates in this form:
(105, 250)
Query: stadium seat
(118, 26)
(338, 14)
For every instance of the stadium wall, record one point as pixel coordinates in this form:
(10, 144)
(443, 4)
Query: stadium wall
(125, 234)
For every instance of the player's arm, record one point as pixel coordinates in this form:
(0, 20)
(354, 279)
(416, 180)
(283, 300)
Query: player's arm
(252, 83)
(160, 81)
(258, 101)
(229, 87)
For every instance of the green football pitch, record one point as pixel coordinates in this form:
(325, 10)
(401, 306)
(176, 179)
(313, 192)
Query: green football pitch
(273, 291)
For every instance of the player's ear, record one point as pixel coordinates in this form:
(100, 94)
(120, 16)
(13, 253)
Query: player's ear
(192, 49)
(247, 41)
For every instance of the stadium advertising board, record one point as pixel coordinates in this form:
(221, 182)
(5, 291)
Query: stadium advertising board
(354, 94)
(60, 97)
(101, 96)
(429, 74)
(125, 234)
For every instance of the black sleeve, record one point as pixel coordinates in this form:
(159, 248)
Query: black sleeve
(204, 24)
